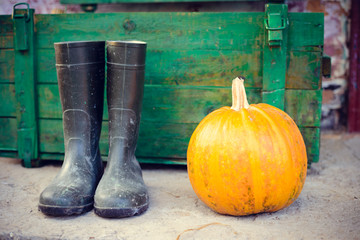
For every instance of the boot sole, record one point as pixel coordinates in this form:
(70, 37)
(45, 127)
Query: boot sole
(119, 212)
(58, 211)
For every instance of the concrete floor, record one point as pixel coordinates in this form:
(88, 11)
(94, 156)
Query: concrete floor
(328, 207)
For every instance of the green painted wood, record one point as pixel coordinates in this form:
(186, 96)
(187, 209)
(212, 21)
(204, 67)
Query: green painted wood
(305, 29)
(209, 68)
(7, 60)
(8, 154)
(195, 67)
(304, 107)
(168, 140)
(179, 31)
(24, 70)
(6, 32)
(275, 52)
(191, 105)
(8, 133)
(312, 142)
(8, 100)
(304, 69)
(161, 103)
(173, 30)
(191, 60)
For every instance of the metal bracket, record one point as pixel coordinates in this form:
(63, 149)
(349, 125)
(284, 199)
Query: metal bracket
(24, 46)
(275, 52)
(275, 23)
(20, 20)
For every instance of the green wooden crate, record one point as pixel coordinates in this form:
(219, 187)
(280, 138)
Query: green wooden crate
(191, 61)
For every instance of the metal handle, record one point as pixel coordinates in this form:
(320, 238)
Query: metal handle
(283, 25)
(27, 15)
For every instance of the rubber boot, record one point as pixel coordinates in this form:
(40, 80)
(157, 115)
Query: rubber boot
(121, 191)
(80, 71)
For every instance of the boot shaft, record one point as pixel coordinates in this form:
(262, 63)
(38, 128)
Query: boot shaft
(81, 78)
(125, 87)
(81, 75)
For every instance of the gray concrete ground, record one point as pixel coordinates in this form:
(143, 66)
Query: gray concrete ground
(328, 207)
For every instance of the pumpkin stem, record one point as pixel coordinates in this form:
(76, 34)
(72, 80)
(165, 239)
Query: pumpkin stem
(239, 99)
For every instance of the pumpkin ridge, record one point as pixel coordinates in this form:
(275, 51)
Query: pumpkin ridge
(285, 153)
(255, 163)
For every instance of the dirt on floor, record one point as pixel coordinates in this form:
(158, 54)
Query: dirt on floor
(327, 208)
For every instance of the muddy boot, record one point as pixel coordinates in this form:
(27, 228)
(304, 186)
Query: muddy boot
(80, 70)
(121, 191)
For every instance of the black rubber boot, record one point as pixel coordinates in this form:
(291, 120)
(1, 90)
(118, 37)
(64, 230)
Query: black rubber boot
(121, 191)
(80, 70)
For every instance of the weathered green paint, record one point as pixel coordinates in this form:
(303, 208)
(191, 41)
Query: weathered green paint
(311, 137)
(275, 52)
(7, 60)
(27, 135)
(191, 60)
(304, 69)
(304, 106)
(161, 103)
(8, 133)
(171, 144)
(8, 100)
(210, 68)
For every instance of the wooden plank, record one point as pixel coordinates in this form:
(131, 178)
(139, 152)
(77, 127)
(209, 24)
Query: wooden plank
(195, 67)
(311, 138)
(161, 103)
(8, 100)
(191, 104)
(175, 31)
(169, 140)
(8, 154)
(6, 32)
(305, 29)
(8, 133)
(209, 68)
(304, 107)
(304, 69)
(146, 160)
(45, 69)
(7, 60)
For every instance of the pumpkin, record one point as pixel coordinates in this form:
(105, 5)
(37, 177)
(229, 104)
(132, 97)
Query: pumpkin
(246, 159)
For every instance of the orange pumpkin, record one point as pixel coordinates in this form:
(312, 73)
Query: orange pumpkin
(247, 159)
